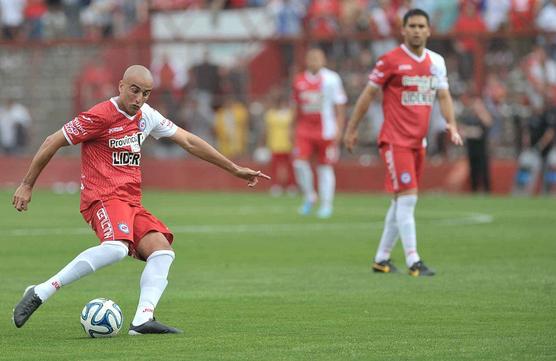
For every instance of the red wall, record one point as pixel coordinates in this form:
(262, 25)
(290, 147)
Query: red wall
(265, 69)
(192, 175)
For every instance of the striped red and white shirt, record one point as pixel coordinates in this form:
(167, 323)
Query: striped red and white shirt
(111, 149)
(315, 96)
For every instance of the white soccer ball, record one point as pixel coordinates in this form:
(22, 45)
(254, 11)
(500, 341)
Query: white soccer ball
(101, 317)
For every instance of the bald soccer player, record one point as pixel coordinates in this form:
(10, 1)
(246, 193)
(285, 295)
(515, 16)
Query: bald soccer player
(111, 134)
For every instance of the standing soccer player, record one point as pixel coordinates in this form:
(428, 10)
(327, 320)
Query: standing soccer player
(319, 116)
(111, 134)
(409, 76)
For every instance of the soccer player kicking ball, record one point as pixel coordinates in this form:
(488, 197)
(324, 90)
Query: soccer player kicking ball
(319, 120)
(409, 77)
(111, 134)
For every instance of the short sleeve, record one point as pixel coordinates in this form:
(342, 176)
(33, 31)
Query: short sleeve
(162, 127)
(339, 95)
(439, 71)
(84, 127)
(381, 73)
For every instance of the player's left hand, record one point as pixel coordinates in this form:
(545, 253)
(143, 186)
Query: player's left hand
(350, 139)
(455, 137)
(252, 176)
(22, 197)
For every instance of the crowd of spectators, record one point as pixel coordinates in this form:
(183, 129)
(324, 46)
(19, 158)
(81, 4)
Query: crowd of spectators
(62, 19)
(54, 19)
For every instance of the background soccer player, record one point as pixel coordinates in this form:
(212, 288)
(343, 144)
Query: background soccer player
(111, 134)
(319, 119)
(410, 76)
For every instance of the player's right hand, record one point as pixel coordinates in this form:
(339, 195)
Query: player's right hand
(250, 175)
(350, 139)
(22, 197)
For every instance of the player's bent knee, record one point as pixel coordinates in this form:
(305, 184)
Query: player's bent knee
(119, 248)
(153, 242)
(162, 252)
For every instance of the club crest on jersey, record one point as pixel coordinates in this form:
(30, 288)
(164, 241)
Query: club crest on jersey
(142, 124)
(123, 227)
(133, 141)
(405, 178)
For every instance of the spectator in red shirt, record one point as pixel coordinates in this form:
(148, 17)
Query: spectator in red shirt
(323, 18)
(523, 14)
(94, 84)
(34, 12)
(470, 24)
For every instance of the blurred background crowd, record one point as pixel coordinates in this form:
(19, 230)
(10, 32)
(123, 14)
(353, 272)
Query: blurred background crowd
(500, 55)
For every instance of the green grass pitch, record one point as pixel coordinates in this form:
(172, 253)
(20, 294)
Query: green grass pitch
(254, 281)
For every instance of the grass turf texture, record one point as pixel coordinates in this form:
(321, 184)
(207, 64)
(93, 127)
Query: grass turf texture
(254, 281)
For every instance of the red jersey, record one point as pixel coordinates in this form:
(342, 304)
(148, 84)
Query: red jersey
(111, 149)
(409, 85)
(316, 96)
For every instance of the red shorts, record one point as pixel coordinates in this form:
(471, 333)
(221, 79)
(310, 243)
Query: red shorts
(326, 150)
(404, 167)
(117, 220)
(281, 169)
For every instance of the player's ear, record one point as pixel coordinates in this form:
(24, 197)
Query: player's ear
(121, 86)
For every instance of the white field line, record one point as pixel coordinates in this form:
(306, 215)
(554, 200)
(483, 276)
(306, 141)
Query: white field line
(467, 219)
(257, 210)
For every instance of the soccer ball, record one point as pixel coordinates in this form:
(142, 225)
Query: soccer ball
(101, 317)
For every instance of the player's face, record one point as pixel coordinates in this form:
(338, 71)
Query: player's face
(416, 31)
(133, 94)
(315, 60)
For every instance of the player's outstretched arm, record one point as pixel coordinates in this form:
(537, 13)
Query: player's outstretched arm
(447, 109)
(22, 195)
(201, 149)
(361, 107)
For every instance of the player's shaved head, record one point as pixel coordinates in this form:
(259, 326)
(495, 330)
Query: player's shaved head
(138, 73)
(135, 87)
(315, 60)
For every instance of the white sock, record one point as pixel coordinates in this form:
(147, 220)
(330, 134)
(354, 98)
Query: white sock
(327, 185)
(304, 177)
(86, 262)
(405, 210)
(389, 234)
(153, 282)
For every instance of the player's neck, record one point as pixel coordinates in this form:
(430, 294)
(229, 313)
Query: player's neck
(122, 107)
(417, 50)
(314, 72)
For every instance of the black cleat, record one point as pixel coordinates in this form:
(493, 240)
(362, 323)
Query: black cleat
(419, 269)
(152, 327)
(26, 306)
(385, 266)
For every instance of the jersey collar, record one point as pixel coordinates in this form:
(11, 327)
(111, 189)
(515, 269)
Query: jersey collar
(418, 59)
(113, 101)
(313, 78)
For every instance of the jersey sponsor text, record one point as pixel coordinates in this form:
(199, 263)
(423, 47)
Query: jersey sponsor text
(126, 158)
